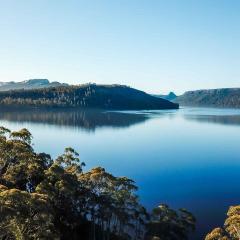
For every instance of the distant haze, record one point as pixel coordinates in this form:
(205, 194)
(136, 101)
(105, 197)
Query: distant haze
(156, 46)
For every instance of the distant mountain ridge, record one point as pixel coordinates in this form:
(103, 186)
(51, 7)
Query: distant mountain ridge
(170, 97)
(85, 96)
(223, 97)
(29, 84)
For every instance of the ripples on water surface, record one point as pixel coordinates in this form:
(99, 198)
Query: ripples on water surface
(186, 158)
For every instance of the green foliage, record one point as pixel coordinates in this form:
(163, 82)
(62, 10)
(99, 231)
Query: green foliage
(114, 203)
(231, 228)
(25, 215)
(20, 166)
(168, 224)
(217, 234)
(41, 198)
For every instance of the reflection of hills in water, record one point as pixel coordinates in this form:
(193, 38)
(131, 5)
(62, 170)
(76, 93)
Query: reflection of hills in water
(219, 119)
(86, 119)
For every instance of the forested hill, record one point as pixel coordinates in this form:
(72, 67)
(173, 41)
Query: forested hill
(225, 97)
(86, 96)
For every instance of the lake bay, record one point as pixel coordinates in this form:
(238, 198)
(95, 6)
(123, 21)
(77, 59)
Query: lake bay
(185, 158)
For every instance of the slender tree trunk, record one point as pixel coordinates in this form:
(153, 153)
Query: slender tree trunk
(93, 226)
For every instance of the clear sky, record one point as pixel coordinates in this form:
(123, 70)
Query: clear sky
(153, 45)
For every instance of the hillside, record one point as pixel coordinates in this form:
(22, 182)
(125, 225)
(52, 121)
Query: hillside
(225, 97)
(29, 84)
(86, 96)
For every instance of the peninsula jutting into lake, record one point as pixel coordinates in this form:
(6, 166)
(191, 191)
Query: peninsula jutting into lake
(114, 97)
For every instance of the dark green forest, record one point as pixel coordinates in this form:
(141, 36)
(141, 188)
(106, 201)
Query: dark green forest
(85, 96)
(45, 198)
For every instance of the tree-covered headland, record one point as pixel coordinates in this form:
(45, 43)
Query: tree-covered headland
(85, 96)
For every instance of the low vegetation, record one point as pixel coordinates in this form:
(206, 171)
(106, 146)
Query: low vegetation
(42, 198)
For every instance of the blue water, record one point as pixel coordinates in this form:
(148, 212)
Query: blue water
(186, 158)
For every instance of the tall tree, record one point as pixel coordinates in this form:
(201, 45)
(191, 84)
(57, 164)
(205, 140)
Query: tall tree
(168, 224)
(25, 216)
(231, 229)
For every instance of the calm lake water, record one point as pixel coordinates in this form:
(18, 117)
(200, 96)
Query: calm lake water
(186, 158)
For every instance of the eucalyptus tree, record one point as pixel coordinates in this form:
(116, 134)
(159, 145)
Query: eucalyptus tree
(25, 216)
(99, 201)
(217, 234)
(131, 215)
(231, 228)
(20, 166)
(65, 192)
(168, 224)
(113, 205)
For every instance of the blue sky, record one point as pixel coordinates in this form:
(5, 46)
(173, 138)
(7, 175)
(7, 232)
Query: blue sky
(153, 45)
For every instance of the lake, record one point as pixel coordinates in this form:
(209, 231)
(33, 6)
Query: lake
(186, 158)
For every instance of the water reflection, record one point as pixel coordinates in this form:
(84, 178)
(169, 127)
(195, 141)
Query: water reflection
(90, 120)
(173, 157)
(86, 119)
(212, 115)
(225, 120)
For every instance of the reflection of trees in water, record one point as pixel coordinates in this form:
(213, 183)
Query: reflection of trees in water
(87, 119)
(219, 119)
